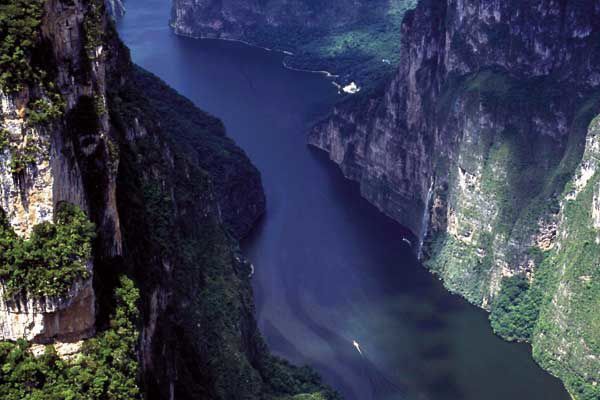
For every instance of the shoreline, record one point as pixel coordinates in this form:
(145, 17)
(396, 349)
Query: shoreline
(321, 72)
(284, 52)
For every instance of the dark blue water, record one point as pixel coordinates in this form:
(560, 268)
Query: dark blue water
(330, 269)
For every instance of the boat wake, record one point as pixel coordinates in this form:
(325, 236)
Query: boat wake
(382, 387)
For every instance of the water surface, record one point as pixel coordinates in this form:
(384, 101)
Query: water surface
(330, 269)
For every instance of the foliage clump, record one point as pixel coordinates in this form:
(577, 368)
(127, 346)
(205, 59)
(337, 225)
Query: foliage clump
(106, 368)
(92, 25)
(23, 58)
(23, 155)
(43, 110)
(289, 382)
(515, 309)
(51, 260)
(22, 152)
(4, 139)
(20, 21)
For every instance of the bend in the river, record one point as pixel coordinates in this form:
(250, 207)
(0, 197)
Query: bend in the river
(330, 269)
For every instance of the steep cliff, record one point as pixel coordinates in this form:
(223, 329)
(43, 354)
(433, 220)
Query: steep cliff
(107, 172)
(472, 145)
(199, 338)
(357, 40)
(40, 164)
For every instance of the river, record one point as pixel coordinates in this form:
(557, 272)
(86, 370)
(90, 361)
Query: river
(329, 268)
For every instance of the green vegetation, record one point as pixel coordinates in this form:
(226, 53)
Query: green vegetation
(566, 333)
(22, 157)
(201, 137)
(522, 177)
(24, 152)
(515, 310)
(51, 260)
(20, 21)
(463, 271)
(41, 111)
(167, 202)
(4, 139)
(24, 59)
(521, 171)
(93, 28)
(366, 51)
(106, 368)
(288, 382)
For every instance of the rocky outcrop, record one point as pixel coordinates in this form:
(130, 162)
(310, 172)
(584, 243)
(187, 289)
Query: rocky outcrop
(473, 141)
(49, 320)
(28, 199)
(391, 143)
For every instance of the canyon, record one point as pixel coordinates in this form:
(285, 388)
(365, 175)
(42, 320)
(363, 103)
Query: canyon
(482, 144)
(135, 234)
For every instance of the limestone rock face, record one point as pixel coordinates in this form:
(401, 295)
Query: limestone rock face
(59, 172)
(590, 168)
(568, 333)
(47, 320)
(28, 199)
(186, 193)
(391, 143)
(476, 142)
(596, 210)
(434, 151)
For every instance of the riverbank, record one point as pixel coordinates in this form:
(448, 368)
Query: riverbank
(284, 52)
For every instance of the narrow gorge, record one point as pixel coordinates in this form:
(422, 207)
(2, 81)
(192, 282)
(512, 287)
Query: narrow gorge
(166, 233)
(483, 145)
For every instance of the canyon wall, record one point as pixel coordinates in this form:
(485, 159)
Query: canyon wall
(169, 195)
(246, 19)
(477, 145)
(358, 41)
(41, 168)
